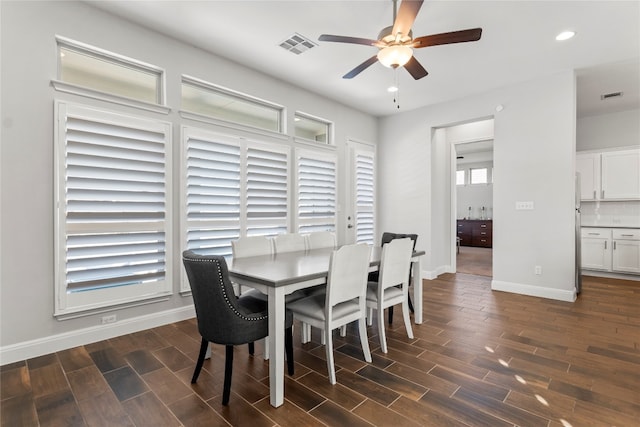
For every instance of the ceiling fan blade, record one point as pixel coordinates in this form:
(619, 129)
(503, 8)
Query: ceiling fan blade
(414, 68)
(345, 39)
(406, 16)
(360, 68)
(461, 36)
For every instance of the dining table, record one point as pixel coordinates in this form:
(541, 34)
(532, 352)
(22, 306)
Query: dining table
(280, 274)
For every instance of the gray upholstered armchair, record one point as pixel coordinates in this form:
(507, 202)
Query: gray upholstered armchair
(224, 318)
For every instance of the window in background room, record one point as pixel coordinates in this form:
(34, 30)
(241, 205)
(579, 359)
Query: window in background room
(113, 225)
(98, 70)
(460, 177)
(479, 176)
(312, 128)
(216, 102)
(316, 191)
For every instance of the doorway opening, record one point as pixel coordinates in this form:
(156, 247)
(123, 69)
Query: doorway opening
(472, 196)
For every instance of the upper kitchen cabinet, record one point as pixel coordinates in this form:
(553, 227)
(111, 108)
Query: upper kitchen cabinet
(609, 175)
(621, 174)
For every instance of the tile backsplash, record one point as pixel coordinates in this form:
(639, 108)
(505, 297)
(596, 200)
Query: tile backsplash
(610, 214)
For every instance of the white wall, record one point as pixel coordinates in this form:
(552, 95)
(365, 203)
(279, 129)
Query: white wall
(474, 196)
(534, 150)
(605, 131)
(28, 31)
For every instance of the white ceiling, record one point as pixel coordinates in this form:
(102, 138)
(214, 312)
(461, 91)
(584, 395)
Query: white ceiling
(518, 44)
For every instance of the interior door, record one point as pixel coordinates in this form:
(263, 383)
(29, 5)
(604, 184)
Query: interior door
(360, 213)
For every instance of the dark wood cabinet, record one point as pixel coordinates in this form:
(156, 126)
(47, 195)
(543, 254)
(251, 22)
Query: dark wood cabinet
(475, 232)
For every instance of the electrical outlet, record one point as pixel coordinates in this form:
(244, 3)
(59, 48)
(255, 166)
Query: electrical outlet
(108, 319)
(538, 270)
(524, 206)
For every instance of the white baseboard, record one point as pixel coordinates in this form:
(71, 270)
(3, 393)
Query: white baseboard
(534, 291)
(41, 346)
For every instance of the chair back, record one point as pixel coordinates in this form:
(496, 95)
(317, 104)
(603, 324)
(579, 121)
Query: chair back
(220, 319)
(347, 277)
(395, 263)
(251, 246)
(387, 237)
(321, 239)
(289, 242)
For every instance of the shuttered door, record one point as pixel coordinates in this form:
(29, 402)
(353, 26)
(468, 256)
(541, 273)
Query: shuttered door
(316, 191)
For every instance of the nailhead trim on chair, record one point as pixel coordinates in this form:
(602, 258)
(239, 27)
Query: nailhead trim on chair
(224, 291)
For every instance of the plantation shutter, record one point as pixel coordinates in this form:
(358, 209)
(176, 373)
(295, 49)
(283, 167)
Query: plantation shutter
(112, 206)
(316, 191)
(365, 197)
(212, 193)
(266, 190)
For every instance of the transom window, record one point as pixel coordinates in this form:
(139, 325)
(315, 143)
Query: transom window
(213, 101)
(312, 128)
(461, 177)
(93, 68)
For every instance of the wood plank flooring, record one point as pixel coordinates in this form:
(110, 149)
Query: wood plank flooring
(481, 358)
(473, 260)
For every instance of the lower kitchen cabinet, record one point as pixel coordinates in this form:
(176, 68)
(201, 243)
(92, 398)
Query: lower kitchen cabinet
(613, 250)
(626, 251)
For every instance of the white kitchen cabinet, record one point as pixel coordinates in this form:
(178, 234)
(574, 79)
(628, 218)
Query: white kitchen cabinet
(588, 166)
(609, 175)
(626, 250)
(596, 249)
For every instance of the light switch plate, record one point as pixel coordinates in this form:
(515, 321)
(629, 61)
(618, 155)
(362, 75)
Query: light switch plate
(524, 206)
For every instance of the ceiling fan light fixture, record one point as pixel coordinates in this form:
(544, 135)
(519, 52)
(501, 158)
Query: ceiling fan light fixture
(395, 55)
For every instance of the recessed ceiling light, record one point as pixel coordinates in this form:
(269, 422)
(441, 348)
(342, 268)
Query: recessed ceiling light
(565, 35)
(392, 89)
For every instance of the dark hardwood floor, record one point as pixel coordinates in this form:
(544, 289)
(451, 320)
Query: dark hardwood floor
(481, 358)
(474, 260)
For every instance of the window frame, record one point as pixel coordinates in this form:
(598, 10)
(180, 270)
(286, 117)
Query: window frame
(74, 304)
(326, 123)
(240, 97)
(115, 59)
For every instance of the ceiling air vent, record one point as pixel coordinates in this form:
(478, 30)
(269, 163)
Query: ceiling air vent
(610, 95)
(297, 44)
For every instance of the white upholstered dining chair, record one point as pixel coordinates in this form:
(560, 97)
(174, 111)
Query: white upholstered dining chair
(321, 239)
(289, 242)
(392, 286)
(343, 302)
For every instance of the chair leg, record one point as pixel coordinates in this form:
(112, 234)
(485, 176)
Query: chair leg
(228, 369)
(288, 346)
(390, 314)
(369, 316)
(265, 341)
(364, 341)
(343, 330)
(381, 331)
(328, 337)
(410, 304)
(204, 345)
(407, 320)
(252, 348)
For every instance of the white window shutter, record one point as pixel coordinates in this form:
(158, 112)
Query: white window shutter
(365, 197)
(112, 212)
(316, 191)
(267, 200)
(212, 193)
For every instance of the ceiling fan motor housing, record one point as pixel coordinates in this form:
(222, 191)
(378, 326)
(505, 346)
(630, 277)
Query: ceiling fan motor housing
(387, 36)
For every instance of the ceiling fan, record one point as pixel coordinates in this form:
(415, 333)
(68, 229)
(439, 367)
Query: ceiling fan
(396, 43)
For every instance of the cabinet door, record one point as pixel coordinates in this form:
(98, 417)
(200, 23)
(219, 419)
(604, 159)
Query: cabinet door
(588, 166)
(626, 256)
(621, 174)
(464, 233)
(596, 253)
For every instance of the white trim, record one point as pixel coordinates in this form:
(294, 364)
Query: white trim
(201, 118)
(535, 291)
(41, 346)
(86, 92)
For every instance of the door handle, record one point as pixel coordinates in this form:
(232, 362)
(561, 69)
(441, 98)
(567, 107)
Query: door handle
(349, 226)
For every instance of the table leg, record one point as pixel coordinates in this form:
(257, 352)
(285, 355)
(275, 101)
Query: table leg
(417, 291)
(276, 346)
